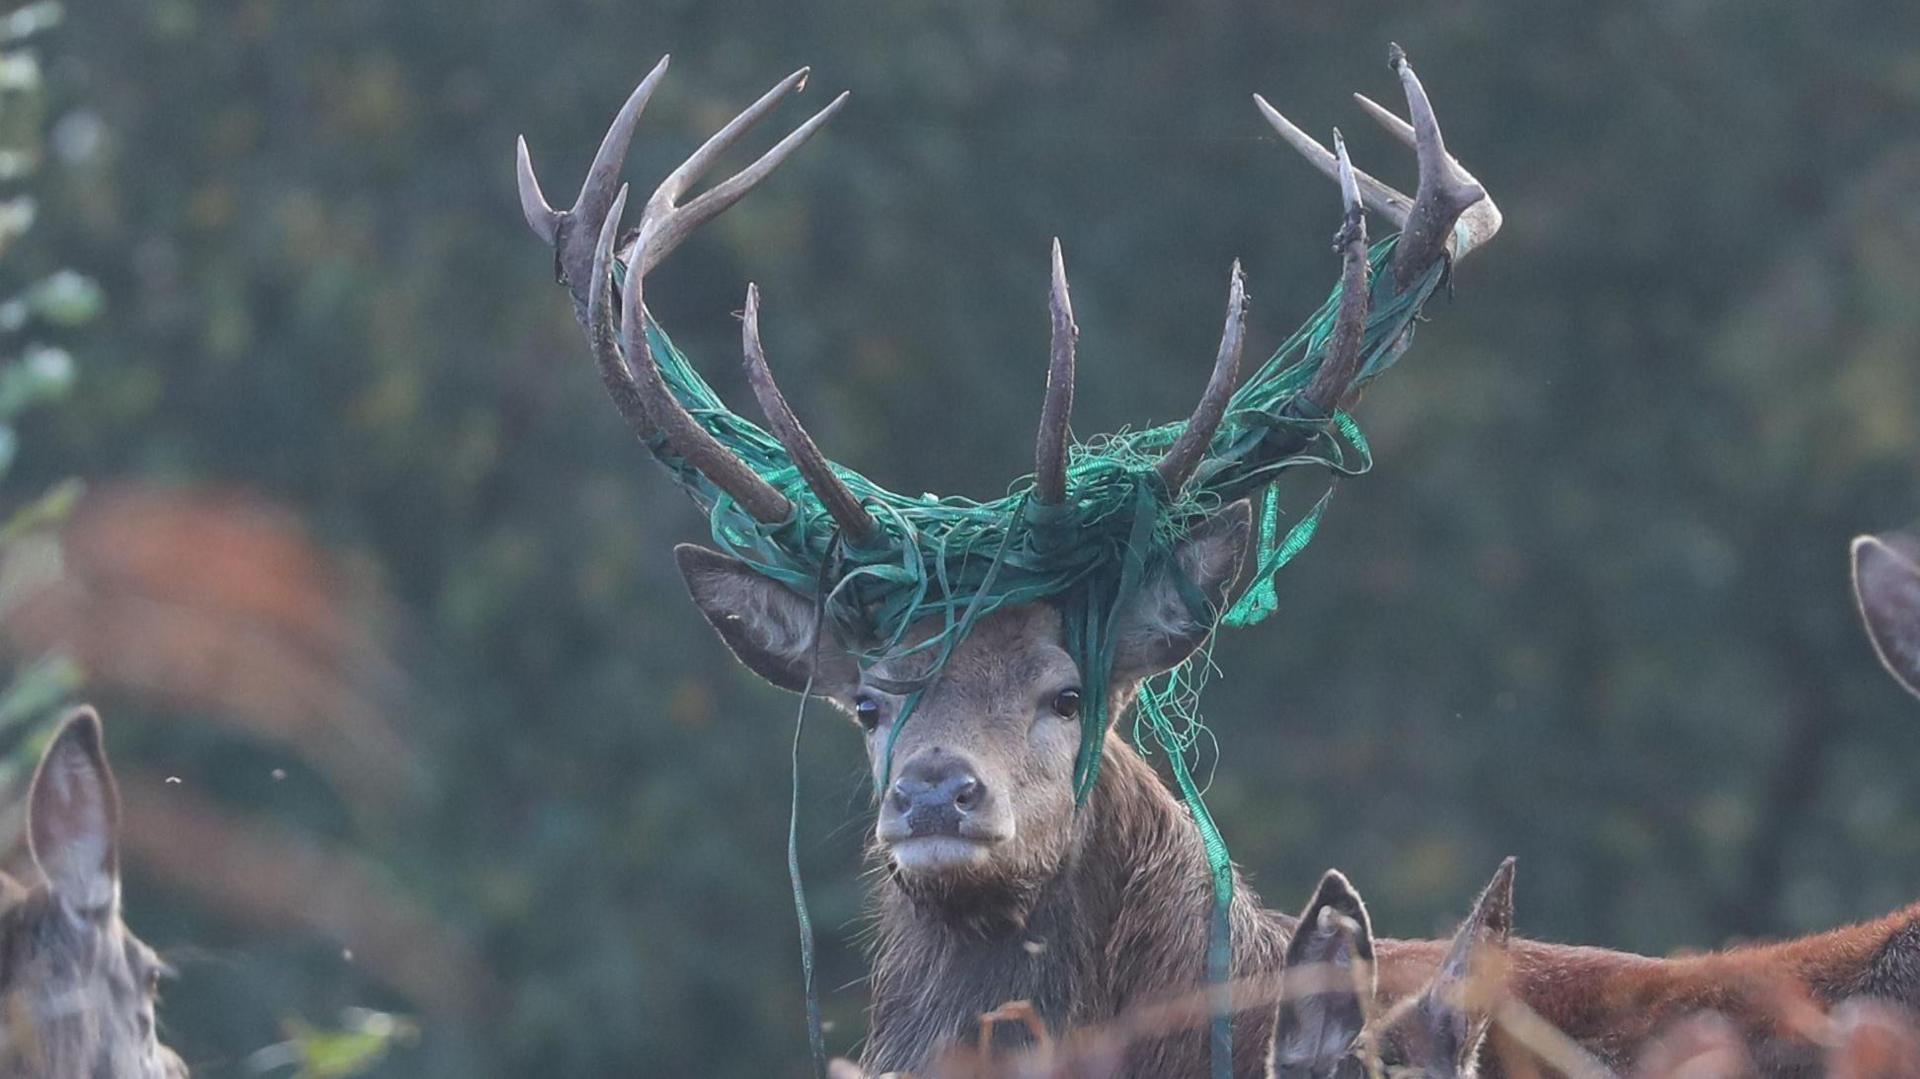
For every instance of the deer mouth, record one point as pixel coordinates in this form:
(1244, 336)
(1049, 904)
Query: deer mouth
(940, 853)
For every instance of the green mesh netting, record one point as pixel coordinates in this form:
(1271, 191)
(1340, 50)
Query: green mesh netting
(954, 560)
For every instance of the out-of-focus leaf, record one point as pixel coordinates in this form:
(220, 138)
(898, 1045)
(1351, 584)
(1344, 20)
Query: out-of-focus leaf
(19, 72)
(66, 298)
(362, 1041)
(38, 689)
(51, 508)
(30, 19)
(44, 373)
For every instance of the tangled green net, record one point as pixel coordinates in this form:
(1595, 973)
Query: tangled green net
(952, 561)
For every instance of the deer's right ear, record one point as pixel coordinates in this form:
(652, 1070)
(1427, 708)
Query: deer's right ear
(1328, 982)
(1886, 583)
(1160, 628)
(73, 817)
(768, 626)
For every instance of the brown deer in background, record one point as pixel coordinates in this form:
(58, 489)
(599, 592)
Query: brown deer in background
(992, 885)
(77, 988)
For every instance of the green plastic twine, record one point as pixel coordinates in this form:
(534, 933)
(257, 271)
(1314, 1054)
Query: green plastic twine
(1219, 867)
(816, 1035)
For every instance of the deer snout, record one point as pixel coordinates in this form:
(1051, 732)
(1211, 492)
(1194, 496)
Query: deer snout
(934, 795)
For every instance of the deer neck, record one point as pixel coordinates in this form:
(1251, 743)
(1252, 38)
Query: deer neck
(1123, 921)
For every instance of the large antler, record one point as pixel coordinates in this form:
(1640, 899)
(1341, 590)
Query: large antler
(584, 241)
(1450, 214)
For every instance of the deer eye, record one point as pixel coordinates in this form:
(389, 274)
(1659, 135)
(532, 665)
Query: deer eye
(867, 711)
(1066, 703)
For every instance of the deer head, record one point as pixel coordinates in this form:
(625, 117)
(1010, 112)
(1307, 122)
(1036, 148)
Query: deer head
(1328, 1026)
(77, 988)
(1886, 585)
(1008, 665)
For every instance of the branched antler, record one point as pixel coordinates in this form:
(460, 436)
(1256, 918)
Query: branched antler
(1450, 213)
(584, 241)
(572, 232)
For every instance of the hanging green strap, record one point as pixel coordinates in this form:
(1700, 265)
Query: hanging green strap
(1260, 599)
(816, 1036)
(816, 1039)
(1219, 868)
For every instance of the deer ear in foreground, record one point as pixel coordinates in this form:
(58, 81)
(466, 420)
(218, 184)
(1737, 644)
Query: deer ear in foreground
(73, 819)
(77, 989)
(1327, 986)
(1443, 1030)
(1886, 584)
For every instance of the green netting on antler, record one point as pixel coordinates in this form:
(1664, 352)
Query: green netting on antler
(954, 560)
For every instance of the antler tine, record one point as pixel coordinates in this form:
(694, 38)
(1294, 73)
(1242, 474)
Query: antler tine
(1056, 410)
(572, 232)
(664, 225)
(542, 218)
(602, 335)
(839, 500)
(697, 165)
(1342, 363)
(1442, 195)
(1176, 467)
(1378, 197)
(1481, 220)
(683, 433)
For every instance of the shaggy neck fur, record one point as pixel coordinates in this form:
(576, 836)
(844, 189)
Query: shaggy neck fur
(1123, 921)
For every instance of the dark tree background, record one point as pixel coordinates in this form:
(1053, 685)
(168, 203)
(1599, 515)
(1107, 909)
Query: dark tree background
(1590, 609)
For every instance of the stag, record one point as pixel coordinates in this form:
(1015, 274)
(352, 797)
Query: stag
(77, 988)
(994, 883)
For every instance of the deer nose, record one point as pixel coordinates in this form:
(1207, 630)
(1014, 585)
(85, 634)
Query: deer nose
(933, 793)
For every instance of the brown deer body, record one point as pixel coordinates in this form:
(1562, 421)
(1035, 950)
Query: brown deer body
(77, 988)
(992, 884)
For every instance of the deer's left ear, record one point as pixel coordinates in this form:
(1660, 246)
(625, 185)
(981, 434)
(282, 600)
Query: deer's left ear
(73, 817)
(1886, 583)
(1160, 628)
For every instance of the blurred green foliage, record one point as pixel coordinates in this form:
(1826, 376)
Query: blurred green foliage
(34, 371)
(363, 1040)
(1590, 609)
